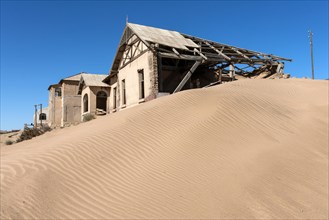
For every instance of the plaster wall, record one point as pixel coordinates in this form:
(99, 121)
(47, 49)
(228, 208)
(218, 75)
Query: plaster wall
(91, 92)
(71, 104)
(129, 73)
(54, 108)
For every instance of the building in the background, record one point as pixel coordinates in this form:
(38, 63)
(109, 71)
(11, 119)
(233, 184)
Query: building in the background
(94, 94)
(64, 103)
(41, 117)
(152, 62)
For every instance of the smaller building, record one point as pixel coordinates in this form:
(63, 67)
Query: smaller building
(94, 94)
(64, 102)
(41, 117)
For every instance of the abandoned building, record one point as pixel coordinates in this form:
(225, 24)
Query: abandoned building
(64, 102)
(65, 99)
(152, 62)
(94, 94)
(40, 117)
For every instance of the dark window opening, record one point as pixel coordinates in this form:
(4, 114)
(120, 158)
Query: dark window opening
(123, 92)
(58, 92)
(85, 103)
(114, 98)
(141, 83)
(43, 116)
(101, 99)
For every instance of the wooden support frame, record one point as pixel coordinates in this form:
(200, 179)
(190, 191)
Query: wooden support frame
(219, 52)
(187, 76)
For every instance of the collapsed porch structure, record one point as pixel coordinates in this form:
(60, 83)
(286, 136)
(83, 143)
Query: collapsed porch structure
(179, 61)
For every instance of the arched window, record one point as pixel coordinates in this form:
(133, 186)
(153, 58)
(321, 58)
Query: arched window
(101, 99)
(85, 103)
(43, 116)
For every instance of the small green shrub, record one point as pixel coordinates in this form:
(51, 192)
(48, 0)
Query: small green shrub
(9, 142)
(88, 117)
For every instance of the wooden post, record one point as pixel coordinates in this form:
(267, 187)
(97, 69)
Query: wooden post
(35, 116)
(187, 76)
(311, 50)
(232, 71)
(40, 114)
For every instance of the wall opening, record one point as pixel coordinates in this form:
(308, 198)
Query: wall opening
(141, 83)
(123, 91)
(58, 92)
(43, 116)
(101, 100)
(85, 103)
(114, 98)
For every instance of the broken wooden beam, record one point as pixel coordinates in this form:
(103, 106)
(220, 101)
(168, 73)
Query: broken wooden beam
(215, 49)
(187, 76)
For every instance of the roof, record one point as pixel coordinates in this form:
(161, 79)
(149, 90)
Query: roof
(75, 77)
(93, 79)
(89, 79)
(172, 44)
(53, 85)
(161, 36)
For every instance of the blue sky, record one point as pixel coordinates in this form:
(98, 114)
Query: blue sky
(44, 41)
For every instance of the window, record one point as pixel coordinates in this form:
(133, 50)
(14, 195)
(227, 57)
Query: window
(123, 91)
(141, 83)
(114, 98)
(85, 103)
(58, 92)
(42, 116)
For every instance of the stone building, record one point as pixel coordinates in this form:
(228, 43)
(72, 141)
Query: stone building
(64, 105)
(94, 94)
(152, 62)
(75, 96)
(41, 117)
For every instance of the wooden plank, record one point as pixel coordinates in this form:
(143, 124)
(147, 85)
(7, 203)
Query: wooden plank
(202, 55)
(215, 49)
(181, 57)
(187, 76)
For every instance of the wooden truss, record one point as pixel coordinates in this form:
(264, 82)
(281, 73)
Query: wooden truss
(222, 58)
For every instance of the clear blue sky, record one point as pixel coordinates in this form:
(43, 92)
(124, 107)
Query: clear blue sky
(44, 41)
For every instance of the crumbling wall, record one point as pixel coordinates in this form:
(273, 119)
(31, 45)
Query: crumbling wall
(153, 71)
(71, 103)
(54, 108)
(129, 73)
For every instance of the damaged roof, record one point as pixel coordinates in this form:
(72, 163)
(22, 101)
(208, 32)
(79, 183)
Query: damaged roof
(175, 45)
(161, 36)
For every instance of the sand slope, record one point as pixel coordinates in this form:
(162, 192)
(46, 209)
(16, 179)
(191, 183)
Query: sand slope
(244, 150)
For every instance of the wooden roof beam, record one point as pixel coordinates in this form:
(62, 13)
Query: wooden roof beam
(219, 52)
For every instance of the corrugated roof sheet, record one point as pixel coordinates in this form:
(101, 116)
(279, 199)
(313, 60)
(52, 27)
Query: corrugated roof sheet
(94, 79)
(161, 36)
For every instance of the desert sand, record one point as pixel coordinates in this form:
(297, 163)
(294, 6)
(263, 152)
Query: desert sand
(250, 149)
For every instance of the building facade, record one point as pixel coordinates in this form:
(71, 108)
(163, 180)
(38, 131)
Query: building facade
(152, 62)
(94, 94)
(64, 104)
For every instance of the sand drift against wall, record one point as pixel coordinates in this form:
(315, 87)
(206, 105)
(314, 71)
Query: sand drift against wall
(246, 149)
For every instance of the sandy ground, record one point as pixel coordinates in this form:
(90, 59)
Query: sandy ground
(11, 136)
(251, 149)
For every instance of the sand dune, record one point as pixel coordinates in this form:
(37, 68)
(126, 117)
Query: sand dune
(251, 149)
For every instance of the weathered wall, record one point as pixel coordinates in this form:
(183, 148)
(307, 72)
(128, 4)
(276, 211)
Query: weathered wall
(129, 73)
(45, 111)
(85, 91)
(92, 98)
(71, 103)
(54, 108)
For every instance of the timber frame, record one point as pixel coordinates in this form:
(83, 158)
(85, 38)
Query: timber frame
(223, 60)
